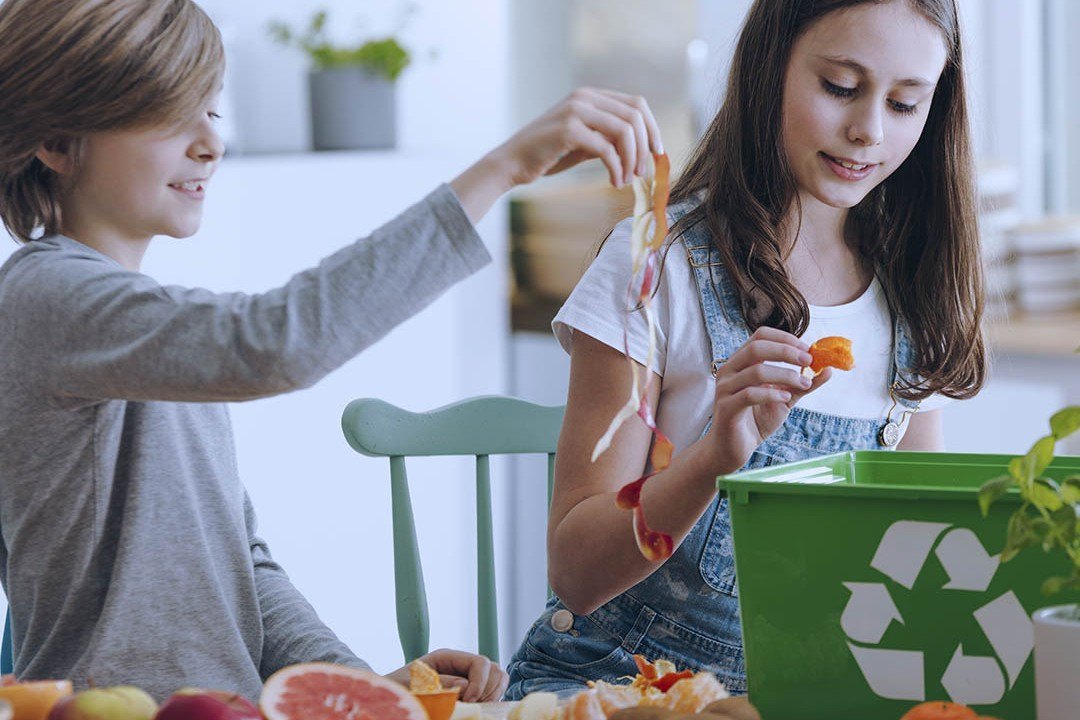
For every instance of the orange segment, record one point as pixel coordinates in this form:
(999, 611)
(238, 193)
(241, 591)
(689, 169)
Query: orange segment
(34, 699)
(439, 704)
(833, 351)
(423, 678)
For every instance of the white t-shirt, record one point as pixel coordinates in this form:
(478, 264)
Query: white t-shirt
(597, 307)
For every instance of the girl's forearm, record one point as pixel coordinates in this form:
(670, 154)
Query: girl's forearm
(592, 552)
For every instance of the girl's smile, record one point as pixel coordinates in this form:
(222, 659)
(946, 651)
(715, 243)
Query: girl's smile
(848, 169)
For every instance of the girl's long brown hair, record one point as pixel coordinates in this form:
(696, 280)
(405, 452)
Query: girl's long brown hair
(917, 229)
(73, 67)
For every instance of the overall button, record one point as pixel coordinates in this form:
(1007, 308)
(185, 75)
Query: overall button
(562, 620)
(889, 434)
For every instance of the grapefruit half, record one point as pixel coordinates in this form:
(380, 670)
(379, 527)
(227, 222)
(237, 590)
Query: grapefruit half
(324, 691)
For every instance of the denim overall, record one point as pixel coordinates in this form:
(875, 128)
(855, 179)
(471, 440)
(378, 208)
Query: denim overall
(687, 611)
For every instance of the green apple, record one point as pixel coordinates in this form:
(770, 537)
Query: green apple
(123, 702)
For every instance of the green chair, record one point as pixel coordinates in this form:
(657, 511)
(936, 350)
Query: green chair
(482, 426)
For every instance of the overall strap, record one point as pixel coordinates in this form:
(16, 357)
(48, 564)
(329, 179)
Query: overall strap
(724, 321)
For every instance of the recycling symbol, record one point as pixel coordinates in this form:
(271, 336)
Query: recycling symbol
(900, 674)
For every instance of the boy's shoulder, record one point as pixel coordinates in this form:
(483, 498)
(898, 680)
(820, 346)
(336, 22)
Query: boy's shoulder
(50, 258)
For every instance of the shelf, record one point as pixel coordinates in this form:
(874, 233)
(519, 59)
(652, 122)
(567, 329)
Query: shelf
(1049, 335)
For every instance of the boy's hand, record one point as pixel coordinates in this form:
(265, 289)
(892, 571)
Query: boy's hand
(480, 679)
(618, 129)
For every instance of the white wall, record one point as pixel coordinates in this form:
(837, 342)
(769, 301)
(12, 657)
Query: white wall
(455, 94)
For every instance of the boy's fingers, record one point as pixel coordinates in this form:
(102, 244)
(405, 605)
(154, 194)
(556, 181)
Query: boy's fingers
(479, 672)
(616, 130)
(639, 103)
(632, 115)
(496, 685)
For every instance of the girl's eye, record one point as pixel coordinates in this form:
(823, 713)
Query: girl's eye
(213, 115)
(903, 108)
(837, 90)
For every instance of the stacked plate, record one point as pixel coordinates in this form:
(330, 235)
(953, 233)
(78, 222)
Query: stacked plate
(1046, 265)
(998, 215)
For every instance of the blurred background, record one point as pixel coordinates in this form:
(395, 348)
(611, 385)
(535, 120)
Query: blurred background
(479, 69)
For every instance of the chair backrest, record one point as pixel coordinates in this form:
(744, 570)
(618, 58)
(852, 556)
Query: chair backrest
(7, 651)
(482, 426)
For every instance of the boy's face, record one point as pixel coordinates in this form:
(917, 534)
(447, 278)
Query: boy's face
(857, 93)
(133, 184)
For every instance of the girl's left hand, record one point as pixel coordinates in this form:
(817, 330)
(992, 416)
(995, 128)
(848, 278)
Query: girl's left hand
(480, 679)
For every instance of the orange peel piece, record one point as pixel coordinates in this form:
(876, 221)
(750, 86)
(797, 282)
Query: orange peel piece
(833, 351)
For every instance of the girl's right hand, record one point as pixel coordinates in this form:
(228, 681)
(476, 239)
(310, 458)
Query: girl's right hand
(753, 399)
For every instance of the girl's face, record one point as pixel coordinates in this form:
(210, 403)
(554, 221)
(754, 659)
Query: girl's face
(857, 93)
(133, 184)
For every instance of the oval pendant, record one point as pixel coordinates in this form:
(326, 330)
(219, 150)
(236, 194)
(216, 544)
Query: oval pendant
(889, 434)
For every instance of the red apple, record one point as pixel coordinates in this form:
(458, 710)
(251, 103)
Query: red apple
(190, 703)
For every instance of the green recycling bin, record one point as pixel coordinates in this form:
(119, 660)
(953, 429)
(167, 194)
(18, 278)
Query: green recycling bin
(869, 581)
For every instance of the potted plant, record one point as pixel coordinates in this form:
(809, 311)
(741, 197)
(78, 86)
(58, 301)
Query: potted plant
(351, 87)
(1049, 516)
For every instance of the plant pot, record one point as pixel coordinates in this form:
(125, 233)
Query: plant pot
(1057, 659)
(352, 109)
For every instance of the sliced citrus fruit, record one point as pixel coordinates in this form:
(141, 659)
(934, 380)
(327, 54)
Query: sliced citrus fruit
(33, 699)
(440, 704)
(939, 710)
(833, 351)
(324, 691)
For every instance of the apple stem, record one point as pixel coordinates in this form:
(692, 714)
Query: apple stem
(90, 682)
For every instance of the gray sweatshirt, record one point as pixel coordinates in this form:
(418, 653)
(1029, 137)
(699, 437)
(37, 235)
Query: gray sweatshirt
(129, 550)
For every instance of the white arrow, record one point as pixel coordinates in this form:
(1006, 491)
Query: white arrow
(904, 548)
(892, 674)
(972, 680)
(966, 561)
(869, 612)
(1009, 630)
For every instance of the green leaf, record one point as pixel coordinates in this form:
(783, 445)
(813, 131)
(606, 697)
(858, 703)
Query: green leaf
(1019, 535)
(1065, 422)
(1040, 456)
(1070, 490)
(1018, 471)
(1054, 585)
(991, 490)
(1043, 495)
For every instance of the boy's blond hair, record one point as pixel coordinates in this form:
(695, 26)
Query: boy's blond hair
(73, 67)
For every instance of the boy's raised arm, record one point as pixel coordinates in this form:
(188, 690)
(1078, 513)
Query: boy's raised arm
(97, 331)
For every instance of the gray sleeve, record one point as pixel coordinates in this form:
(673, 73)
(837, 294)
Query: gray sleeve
(93, 330)
(292, 631)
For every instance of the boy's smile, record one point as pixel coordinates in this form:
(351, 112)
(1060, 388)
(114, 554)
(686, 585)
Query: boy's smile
(857, 93)
(194, 189)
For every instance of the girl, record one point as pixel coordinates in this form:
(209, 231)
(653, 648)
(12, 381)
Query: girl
(832, 195)
(129, 550)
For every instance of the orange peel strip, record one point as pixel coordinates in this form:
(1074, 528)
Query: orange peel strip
(650, 203)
